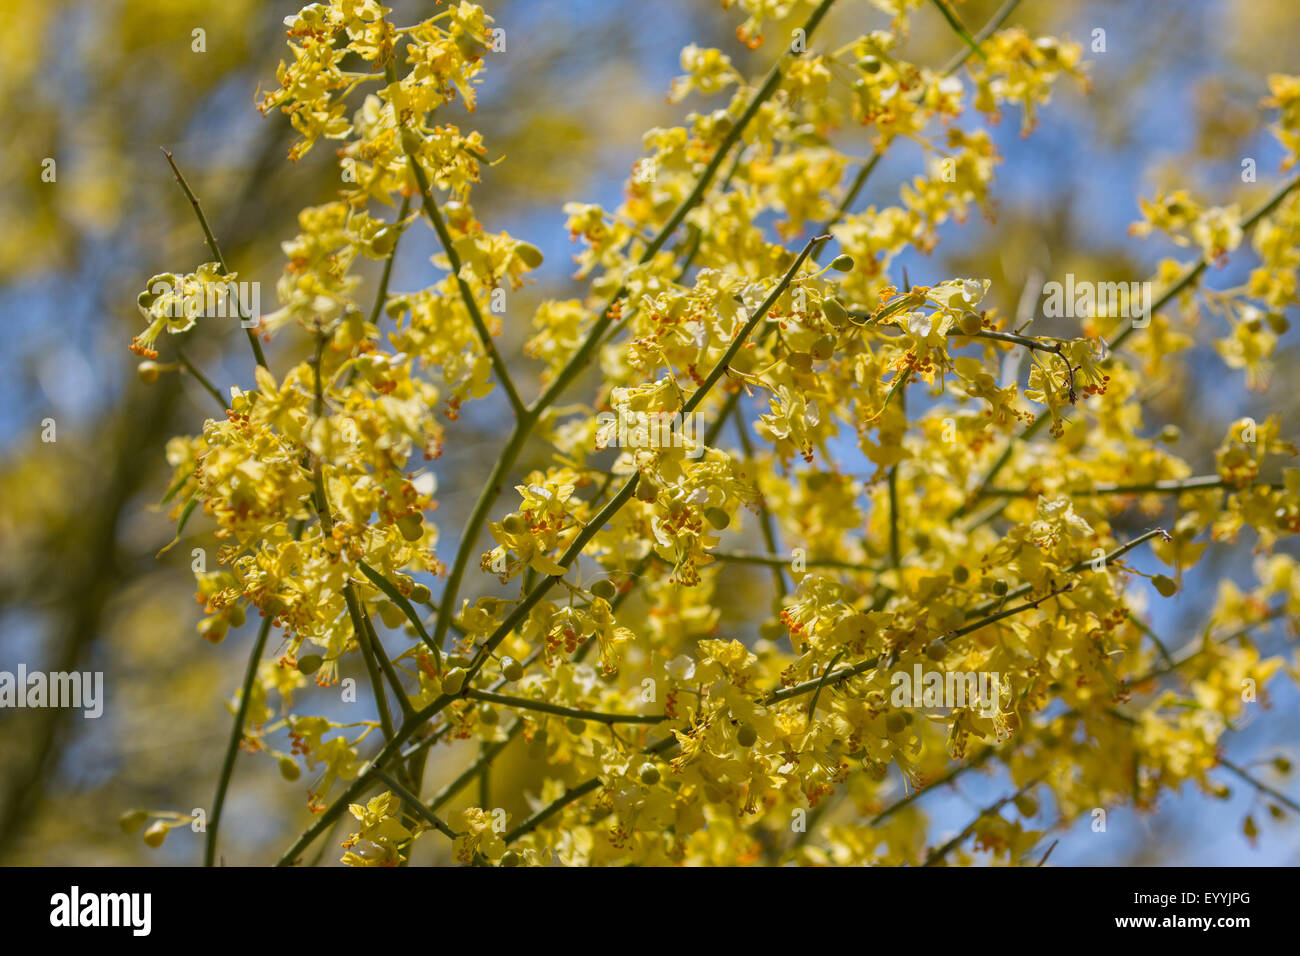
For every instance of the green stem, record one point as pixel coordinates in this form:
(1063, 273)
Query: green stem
(200, 377)
(232, 745)
(414, 803)
(765, 523)
(216, 253)
(960, 29)
(524, 703)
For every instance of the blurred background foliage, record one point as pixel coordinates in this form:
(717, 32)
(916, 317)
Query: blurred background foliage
(100, 86)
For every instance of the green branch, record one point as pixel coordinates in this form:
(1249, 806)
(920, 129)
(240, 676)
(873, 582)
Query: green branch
(215, 249)
(232, 745)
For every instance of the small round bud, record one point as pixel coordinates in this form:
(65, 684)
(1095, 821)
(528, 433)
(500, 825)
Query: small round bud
(391, 615)
(1165, 585)
(310, 663)
(895, 722)
(528, 254)
(970, 323)
(1026, 804)
(746, 736)
(649, 774)
(936, 651)
(604, 589)
(576, 725)
(511, 858)
(800, 361)
(1277, 322)
(717, 517)
(835, 313)
(823, 348)
(289, 768)
(960, 574)
(384, 240)
(999, 588)
(842, 263)
(488, 715)
(453, 681)
(869, 64)
(148, 372)
(411, 526)
(514, 524)
(511, 669)
(1170, 434)
(156, 833)
(420, 594)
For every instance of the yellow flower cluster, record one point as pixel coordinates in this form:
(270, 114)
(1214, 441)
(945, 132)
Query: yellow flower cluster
(969, 549)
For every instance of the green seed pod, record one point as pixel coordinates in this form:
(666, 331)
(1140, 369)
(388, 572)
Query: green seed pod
(895, 723)
(236, 615)
(604, 589)
(289, 768)
(511, 669)
(823, 348)
(310, 663)
(453, 681)
(156, 833)
(488, 715)
(148, 372)
(717, 517)
(385, 240)
(528, 254)
(746, 736)
(1026, 804)
(649, 774)
(514, 524)
(391, 615)
(511, 858)
(960, 574)
(842, 263)
(999, 588)
(411, 526)
(1165, 585)
(869, 64)
(936, 651)
(835, 313)
(420, 594)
